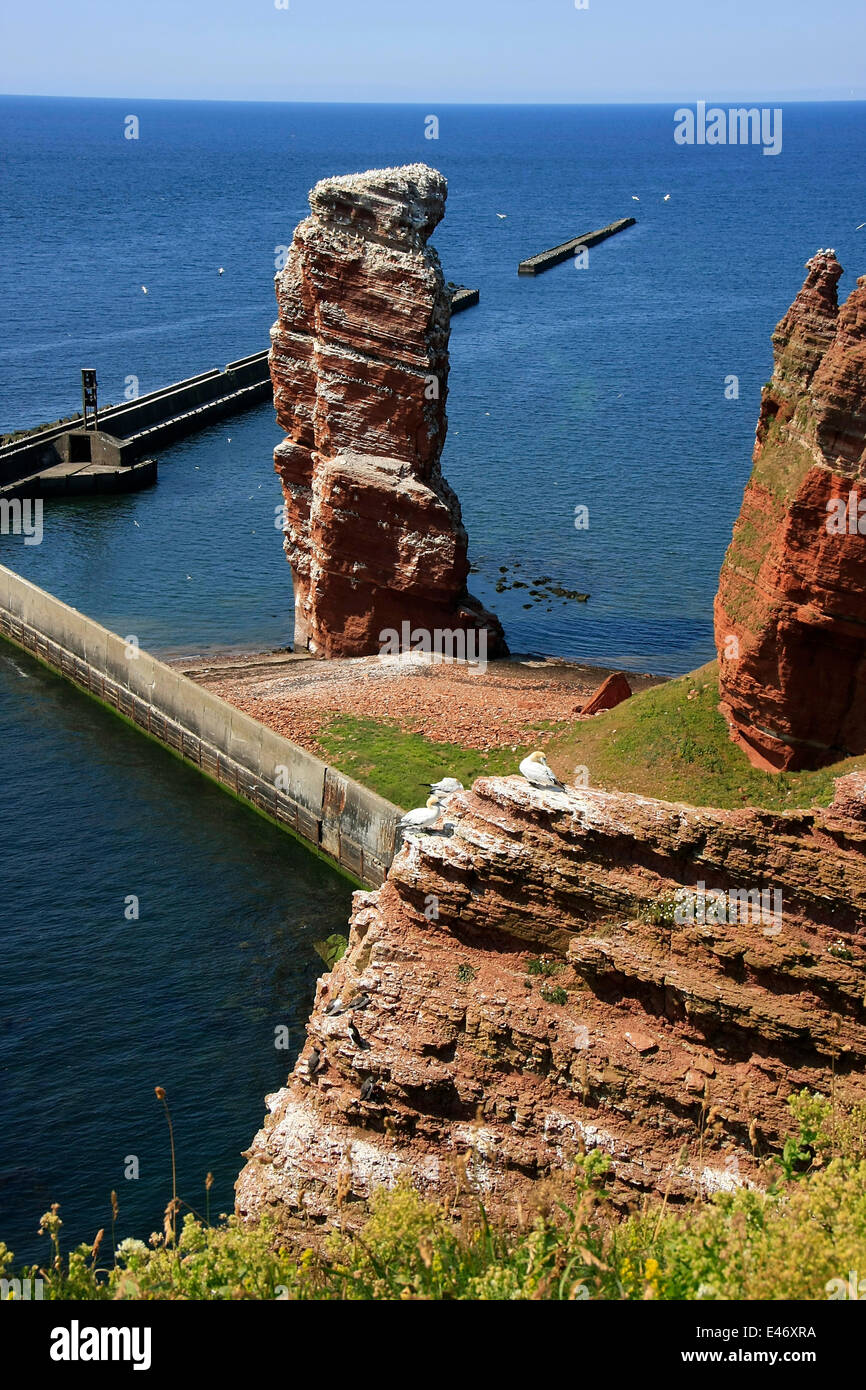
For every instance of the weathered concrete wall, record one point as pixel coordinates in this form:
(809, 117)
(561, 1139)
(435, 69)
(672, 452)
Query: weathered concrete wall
(345, 821)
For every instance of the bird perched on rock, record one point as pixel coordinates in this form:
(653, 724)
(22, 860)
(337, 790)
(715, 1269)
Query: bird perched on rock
(423, 817)
(444, 786)
(535, 770)
(368, 1088)
(357, 1039)
(314, 1062)
(338, 1007)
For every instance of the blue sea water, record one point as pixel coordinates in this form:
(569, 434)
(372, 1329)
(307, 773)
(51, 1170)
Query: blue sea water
(602, 388)
(98, 1007)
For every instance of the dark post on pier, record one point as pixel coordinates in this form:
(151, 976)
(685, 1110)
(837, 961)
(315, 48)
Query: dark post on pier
(89, 398)
(534, 265)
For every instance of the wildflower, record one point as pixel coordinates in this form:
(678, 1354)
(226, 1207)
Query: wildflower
(129, 1249)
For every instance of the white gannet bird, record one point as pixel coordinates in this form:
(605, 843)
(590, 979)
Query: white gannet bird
(635, 198)
(423, 817)
(535, 770)
(444, 786)
(221, 271)
(666, 198)
(144, 289)
(502, 215)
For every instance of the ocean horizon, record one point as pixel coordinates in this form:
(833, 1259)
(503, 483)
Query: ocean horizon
(630, 388)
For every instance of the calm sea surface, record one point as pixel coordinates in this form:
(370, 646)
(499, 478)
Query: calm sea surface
(602, 388)
(97, 1007)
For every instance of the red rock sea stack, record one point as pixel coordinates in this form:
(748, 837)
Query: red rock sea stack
(359, 363)
(790, 614)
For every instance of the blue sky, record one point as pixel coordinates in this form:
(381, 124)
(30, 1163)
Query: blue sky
(437, 50)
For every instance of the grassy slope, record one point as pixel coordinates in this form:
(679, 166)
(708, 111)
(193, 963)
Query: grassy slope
(659, 743)
(663, 743)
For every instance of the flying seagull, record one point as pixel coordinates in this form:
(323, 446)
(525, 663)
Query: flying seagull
(536, 771)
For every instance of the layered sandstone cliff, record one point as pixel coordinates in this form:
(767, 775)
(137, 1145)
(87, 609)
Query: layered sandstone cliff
(790, 614)
(662, 1027)
(359, 363)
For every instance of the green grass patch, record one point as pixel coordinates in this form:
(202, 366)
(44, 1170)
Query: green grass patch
(783, 466)
(396, 763)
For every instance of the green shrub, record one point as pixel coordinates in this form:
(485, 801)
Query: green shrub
(543, 967)
(554, 995)
(661, 912)
(786, 1241)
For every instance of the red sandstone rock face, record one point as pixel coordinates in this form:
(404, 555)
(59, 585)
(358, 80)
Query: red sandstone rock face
(790, 614)
(670, 1037)
(359, 363)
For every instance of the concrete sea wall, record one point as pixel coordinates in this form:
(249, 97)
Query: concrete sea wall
(343, 820)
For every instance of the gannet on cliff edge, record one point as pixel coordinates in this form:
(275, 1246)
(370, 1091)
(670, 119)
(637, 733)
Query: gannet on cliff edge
(444, 786)
(535, 770)
(423, 817)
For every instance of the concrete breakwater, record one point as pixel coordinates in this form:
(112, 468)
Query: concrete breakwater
(462, 298)
(343, 820)
(534, 265)
(67, 458)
